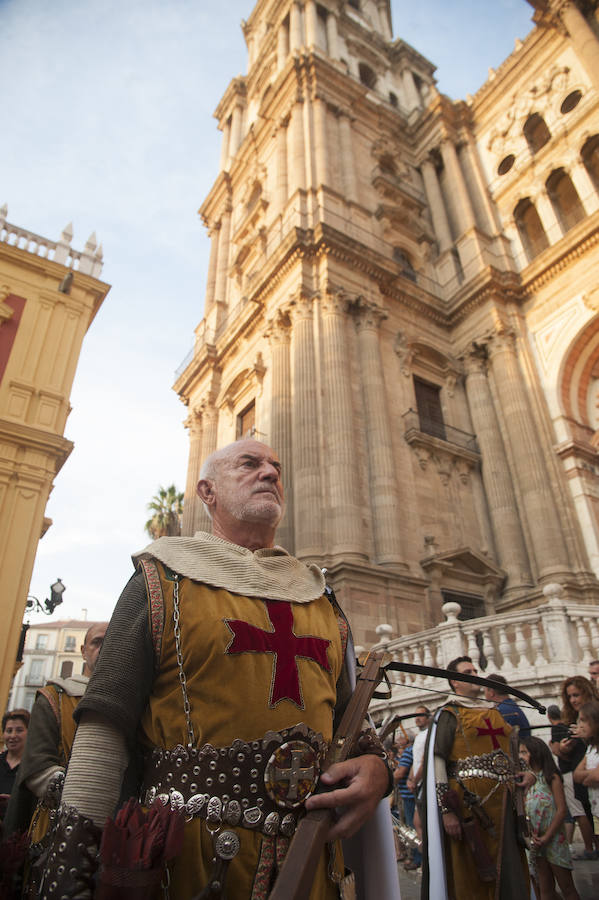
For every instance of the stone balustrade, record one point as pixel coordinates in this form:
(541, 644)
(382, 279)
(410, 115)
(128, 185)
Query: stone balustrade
(88, 261)
(535, 649)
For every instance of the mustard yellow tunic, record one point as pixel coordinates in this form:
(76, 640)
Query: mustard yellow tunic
(251, 666)
(480, 731)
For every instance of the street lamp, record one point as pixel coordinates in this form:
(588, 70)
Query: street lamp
(56, 591)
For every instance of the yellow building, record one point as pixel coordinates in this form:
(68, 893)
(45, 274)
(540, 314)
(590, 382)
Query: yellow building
(49, 295)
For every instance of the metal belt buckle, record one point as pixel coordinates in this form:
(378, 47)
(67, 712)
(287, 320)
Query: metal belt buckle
(291, 773)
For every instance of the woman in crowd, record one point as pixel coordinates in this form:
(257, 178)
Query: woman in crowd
(570, 750)
(549, 856)
(14, 735)
(587, 770)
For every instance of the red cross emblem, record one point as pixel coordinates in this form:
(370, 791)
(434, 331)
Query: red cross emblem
(491, 732)
(284, 645)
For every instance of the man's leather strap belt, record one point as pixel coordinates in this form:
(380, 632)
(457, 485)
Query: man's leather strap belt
(495, 765)
(261, 785)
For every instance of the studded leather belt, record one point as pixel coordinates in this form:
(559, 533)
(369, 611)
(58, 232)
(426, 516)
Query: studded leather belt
(496, 765)
(260, 785)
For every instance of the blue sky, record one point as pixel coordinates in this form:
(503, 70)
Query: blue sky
(106, 114)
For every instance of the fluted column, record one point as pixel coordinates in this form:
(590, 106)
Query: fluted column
(279, 335)
(529, 466)
(584, 39)
(192, 503)
(340, 461)
(437, 205)
(222, 269)
(503, 509)
(463, 206)
(212, 267)
(295, 27)
(307, 456)
(383, 488)
(347, 157)
(296, 170)
(321, 142)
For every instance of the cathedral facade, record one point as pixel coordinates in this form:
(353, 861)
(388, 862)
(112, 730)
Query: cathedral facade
(402, 299)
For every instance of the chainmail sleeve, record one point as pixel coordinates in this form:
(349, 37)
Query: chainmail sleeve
(121, 684)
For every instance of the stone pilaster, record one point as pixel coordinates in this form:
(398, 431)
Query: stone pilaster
(201, 519)
(296, 150)
(222, 269)
(321, 141)
(455, 176)
(340, 461)
(295, 27)
(412, 96)
(529, 469)
(307, 454)
(437, 205)
(347, 157)
(212, 268)
(584, 39)
(192, 506)
(279, 335)
(332, 35)
(382, 482)
(224, 147)
(503, 508)
(282, 180)
(311, 20)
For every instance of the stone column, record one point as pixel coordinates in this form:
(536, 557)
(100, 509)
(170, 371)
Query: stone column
(584, 39)
(437, 205)
(296, 170)
(497, 481)
(463, 206)
(279, 335)
(383, 487)
(311, 22)
(192, 503)
(222, 272)
(320, 141)
(332, 35)
(212, 264)
(340, 461)
(295, 27)
(282, 190)
(470, 151)
(201, 521)
(549, 220)
(528, 464)
(282, 45)
(584, 186)
(224, 147)
(307, 456)
(347, 157)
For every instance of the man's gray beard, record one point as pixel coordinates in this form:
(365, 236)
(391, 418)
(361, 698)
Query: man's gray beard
(265, 512)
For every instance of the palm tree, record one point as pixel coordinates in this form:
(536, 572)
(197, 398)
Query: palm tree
(167, 508)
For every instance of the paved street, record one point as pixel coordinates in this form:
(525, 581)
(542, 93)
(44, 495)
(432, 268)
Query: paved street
(586, 878)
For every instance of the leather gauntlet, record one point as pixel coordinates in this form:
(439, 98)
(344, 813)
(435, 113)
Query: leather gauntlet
(72, 859)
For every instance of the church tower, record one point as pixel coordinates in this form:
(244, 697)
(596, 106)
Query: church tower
(363, 315)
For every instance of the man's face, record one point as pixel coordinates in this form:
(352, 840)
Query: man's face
(462, 688)
(92, 646)
(421, 719)
(15, 735)
(247, 485)
(594, 673)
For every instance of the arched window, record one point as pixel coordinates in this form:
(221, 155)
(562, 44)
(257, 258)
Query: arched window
(536, 132)
(564, 198)
(590, 158)
(367, 76)
(530, 229)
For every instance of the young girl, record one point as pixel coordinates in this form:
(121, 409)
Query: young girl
(587, 771)
(549, 856)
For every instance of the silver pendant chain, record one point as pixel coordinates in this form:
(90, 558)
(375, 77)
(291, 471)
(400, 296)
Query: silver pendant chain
(177, 630)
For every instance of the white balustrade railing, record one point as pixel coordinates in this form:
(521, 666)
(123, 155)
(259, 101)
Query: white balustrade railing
(88, 261)
(535, 649)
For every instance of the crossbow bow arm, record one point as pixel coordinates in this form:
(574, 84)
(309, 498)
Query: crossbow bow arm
(395, 666)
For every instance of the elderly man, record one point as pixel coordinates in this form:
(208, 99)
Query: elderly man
(470, 818)
(508, 708)
(594, 672)
(223, 669)
(51, 733)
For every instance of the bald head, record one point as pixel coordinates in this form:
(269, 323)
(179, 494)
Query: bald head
(91, 646)
(240, 486)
